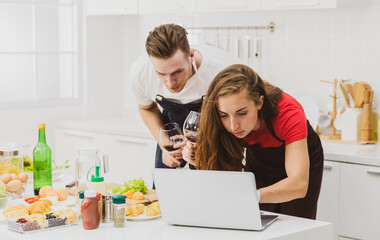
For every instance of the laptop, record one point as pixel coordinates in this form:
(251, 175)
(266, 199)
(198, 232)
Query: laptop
(216, 199)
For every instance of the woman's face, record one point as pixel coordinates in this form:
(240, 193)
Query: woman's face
(239, 114)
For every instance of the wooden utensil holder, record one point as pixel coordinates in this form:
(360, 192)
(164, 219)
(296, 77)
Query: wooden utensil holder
(366, 128)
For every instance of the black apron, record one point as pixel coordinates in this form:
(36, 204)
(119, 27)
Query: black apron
(174, 112)
(268, 165)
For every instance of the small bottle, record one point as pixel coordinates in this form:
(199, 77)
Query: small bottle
(90, 210)
(42, 162)
(119, 206)
(107, 209)
(96, 182)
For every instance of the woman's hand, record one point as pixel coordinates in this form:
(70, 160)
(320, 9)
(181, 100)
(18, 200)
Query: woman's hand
(172, 158)
(188, 152)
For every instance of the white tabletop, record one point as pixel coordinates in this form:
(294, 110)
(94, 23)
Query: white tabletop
(285, 227)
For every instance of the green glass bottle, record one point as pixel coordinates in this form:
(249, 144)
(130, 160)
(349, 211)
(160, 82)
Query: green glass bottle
(41, 162)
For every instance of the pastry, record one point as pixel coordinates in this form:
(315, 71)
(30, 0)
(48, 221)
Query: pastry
(134, 210)
(41, 206)
(62, 194)
(15, 212)
(44, 189)
(153, 209)
(129, 194)
(35, 217)
(138, 196)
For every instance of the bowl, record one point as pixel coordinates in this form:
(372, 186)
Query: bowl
(4, 201)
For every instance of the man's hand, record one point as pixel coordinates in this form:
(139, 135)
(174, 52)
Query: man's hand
(172, 158)
(188, 152)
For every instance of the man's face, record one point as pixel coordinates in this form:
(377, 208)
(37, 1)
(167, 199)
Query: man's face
(174, 71)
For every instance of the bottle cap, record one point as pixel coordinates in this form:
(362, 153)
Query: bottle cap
(97, 179)
(117, 199)
(41, 126)
(81, 194)
(89, 193)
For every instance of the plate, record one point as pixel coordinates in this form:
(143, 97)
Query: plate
(70, 201)
(143, 216)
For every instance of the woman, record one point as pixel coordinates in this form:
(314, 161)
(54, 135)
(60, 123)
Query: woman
(283, 151)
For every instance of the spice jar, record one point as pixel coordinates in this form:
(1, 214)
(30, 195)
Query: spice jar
(81, 196)
(107, 208)
(118, 205)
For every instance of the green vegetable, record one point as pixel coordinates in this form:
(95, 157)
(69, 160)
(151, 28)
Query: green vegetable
(138, 185)
(28, 164)
(58, 167)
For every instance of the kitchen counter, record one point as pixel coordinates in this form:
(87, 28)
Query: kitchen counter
(117, 126)
(351, 153)
(285, 227)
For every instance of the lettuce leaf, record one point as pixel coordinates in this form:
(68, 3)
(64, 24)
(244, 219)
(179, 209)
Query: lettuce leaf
(138, 185)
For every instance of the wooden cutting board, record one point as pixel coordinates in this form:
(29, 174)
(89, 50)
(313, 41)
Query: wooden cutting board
(150, 195)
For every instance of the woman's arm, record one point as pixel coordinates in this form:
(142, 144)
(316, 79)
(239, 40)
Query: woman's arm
(294, 186)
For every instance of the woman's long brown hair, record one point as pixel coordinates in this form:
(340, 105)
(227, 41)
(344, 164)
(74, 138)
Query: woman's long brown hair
(218, 149)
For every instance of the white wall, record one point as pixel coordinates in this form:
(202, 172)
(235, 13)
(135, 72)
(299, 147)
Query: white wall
(21, 125)
(105, 64)
(306, 46)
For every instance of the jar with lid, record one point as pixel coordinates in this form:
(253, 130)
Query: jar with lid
(80, 197)
(119, 206)
(10, 161)
(90, 210)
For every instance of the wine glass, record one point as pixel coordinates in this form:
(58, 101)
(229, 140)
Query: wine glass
(170, 135)
(191, 127)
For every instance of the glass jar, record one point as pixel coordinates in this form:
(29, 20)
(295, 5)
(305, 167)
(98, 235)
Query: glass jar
(119, 206)
(10, 161)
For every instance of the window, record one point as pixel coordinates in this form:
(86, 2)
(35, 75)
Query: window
(39, 57)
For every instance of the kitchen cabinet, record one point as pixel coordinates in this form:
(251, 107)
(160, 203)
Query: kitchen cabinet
(164, 6)
(308, 4)
(349, 198)
(360, 201)
(237, 5)
(328, 202)
(111, 7)
(129, 157)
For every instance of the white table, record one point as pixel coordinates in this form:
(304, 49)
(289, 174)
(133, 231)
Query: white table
(285, 227)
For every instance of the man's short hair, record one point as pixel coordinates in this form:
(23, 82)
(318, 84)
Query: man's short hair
(165, 40)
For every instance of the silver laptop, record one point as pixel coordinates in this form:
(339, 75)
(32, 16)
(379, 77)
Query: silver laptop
(218, 199)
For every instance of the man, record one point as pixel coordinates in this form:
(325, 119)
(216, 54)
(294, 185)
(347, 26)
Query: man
(176, 77)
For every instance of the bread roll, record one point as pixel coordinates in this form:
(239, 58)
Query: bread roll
(134, 210)
(15, 212)
(41, 206)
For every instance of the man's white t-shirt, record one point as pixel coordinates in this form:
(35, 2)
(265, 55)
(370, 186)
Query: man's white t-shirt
(145, 84)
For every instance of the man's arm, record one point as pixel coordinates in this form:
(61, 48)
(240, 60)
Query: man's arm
(152, 118)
